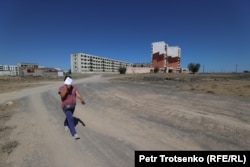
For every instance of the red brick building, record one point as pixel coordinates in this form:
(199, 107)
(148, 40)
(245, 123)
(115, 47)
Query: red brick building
(166, 58)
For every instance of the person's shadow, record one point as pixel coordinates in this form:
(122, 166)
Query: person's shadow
(77, 120)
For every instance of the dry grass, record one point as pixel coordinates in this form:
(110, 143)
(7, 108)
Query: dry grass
(14, 83)
(226, 84)
(6, 145)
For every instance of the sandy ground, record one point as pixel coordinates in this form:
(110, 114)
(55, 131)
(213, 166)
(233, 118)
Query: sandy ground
(120, 116)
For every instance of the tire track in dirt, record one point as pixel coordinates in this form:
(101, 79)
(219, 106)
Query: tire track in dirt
(43, 140)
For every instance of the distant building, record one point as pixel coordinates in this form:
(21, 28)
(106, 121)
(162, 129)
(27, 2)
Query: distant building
(84, 63)
(166, 58)
(27, 65)
(27, 68)
(33, 69)
(9, 70)
(139, 68)
(142, 65)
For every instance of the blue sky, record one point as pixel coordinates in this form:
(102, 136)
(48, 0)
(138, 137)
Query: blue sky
(214, 33)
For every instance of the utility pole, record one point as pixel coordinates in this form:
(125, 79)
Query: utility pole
(236, 68)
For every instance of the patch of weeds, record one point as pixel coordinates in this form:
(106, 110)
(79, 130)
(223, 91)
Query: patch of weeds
(5, 115)
(209, 91)
(214, 86)
(246, 86)
(5, 112)
(197, 86)
(3, 128)
(8, 147)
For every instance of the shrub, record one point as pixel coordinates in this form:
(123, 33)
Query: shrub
(193, 67)
(122, 70)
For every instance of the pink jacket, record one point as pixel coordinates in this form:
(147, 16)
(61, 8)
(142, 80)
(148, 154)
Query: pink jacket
(70, 98)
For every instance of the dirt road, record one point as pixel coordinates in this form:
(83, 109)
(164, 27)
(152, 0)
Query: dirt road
(118, 119)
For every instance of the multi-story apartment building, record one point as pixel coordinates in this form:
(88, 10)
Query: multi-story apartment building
(82, 63)
(166, 58)
(8, 70)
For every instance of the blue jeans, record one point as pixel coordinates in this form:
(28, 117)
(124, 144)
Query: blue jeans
(69, 121)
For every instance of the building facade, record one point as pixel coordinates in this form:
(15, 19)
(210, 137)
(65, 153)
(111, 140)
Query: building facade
(33, 69)
(84, 63)
(9, 70)
(27, 68)
(166, 58)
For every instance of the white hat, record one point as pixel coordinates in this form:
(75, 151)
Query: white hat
(68, 81)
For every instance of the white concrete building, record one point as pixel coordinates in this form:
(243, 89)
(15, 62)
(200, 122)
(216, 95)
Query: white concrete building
(84, 63)
(9, 70)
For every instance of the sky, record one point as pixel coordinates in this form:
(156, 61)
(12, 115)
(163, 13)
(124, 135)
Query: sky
(213, 33)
